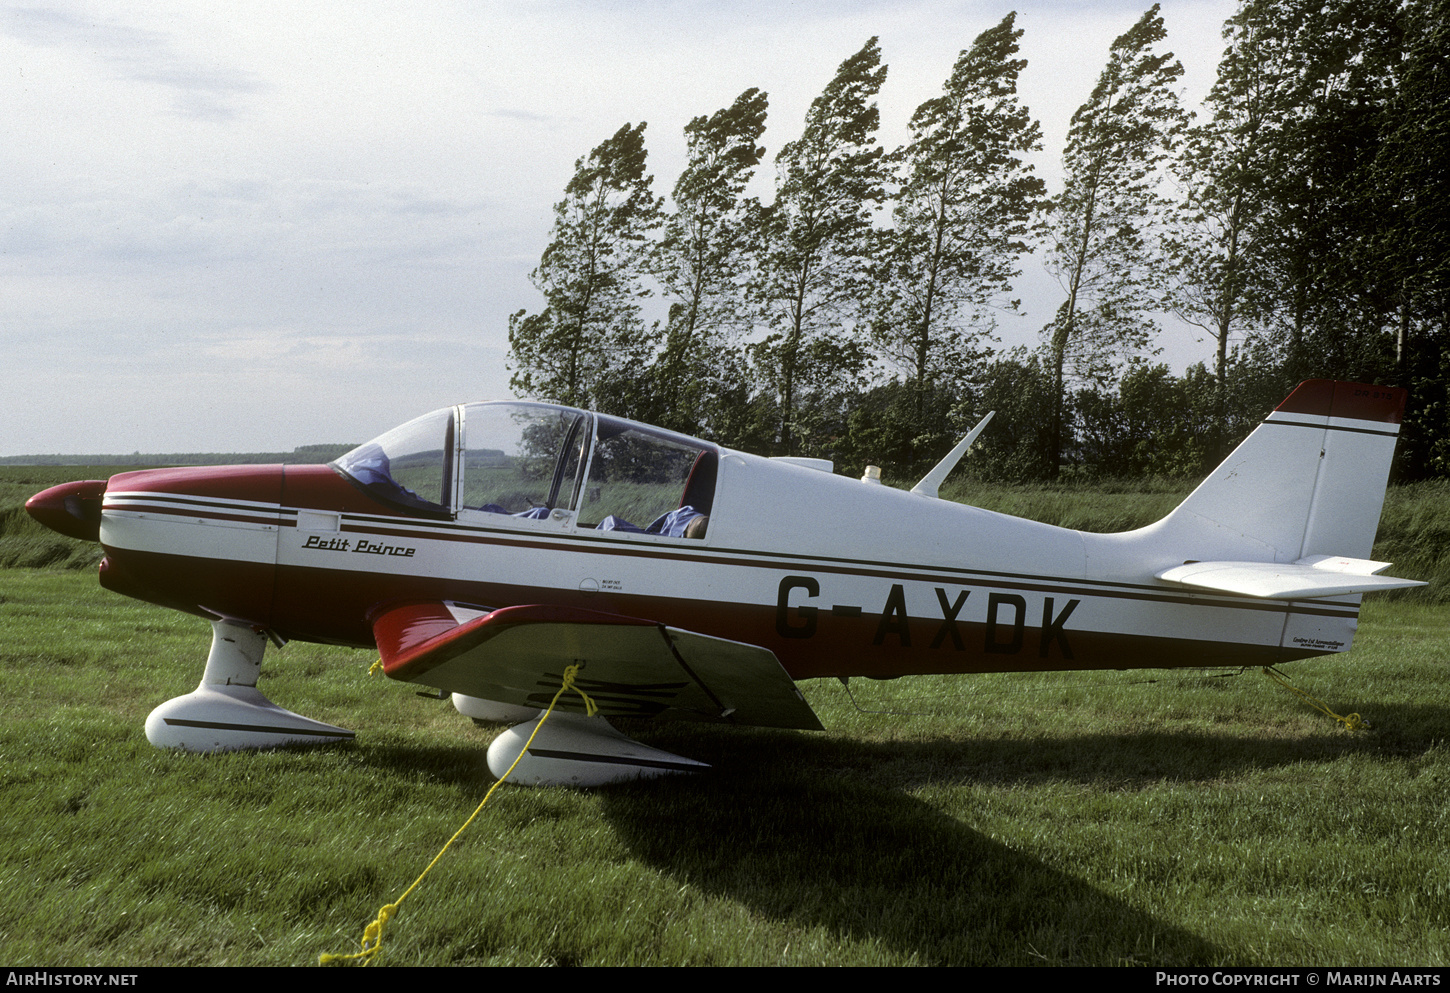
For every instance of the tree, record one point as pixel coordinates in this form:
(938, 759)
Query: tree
(899, 428)
(1153, 423)
(1213, 253)
(962, 215)
(1016, 447)
(812, 252)
(1103, 223)
(700, 263)
(1414, 240)
(588, 342)
(1358, 262)
(1329, 305)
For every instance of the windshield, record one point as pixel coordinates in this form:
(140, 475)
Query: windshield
(522, 458)
(530, 460)
(411, 465)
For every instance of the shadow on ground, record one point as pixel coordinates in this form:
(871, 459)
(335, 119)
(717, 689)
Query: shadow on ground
(810, 842)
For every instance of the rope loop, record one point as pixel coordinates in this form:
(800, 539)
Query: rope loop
(1350, 722)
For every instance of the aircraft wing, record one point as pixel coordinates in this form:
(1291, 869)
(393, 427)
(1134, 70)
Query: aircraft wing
(630, 667)
(1315, 576)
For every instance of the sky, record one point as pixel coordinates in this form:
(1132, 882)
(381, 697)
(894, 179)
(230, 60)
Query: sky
(252, 226)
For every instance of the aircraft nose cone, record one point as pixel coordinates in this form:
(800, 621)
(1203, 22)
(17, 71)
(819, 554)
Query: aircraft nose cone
(73, 509)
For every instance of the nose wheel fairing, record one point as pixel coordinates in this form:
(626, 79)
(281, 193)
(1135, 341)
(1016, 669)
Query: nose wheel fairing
(227, 711)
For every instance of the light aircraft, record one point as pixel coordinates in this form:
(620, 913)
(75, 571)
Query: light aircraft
(485, 547)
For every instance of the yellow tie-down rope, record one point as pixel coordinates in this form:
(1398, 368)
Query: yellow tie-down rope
(372, 938)
(1352, 722)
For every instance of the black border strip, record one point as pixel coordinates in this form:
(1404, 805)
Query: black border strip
(1335, 427)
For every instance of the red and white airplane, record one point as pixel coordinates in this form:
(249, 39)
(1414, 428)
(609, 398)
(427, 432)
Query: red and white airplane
(485, 547)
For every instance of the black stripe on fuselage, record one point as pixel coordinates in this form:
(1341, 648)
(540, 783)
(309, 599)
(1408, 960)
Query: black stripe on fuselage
(411, 528)
(865, 568)
(683, 765)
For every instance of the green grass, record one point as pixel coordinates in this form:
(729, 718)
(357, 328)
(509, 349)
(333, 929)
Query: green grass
(1100, 818)
(1177, 818)
(1105, 507)
(637, 503)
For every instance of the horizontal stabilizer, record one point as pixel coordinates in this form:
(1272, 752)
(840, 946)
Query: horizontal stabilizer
(1314, 576)
(630, 667)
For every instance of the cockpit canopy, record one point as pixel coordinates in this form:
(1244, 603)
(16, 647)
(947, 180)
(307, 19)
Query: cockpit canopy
(540, 461)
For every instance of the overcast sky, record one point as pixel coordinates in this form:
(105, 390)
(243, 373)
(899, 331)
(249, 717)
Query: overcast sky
(252, 226)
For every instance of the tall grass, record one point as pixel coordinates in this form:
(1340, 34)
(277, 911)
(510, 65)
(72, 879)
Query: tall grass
(1414, 534)
(1105, 506)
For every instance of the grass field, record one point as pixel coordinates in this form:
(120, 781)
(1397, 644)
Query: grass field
(1100, 818)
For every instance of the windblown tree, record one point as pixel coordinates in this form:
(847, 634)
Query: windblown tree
(811, 270)
(1410, 166)
(1320, 168)
(701, 260)
(1214, 252)
(585, 347)
(1104, 224)
(962, 216)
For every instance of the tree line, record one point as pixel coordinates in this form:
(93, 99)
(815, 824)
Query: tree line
(1301, 221)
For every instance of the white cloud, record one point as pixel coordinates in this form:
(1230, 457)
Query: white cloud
(202, 86)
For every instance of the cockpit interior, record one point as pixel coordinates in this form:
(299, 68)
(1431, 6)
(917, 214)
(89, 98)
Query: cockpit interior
(535, 461)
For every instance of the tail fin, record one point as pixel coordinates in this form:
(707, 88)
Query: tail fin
(1293, 511)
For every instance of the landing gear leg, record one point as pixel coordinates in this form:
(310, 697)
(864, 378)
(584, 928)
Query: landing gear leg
(227, 711)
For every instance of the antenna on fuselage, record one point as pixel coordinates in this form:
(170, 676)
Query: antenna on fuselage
(932, 481)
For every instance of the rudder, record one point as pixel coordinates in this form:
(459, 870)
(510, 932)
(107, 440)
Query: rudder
(1309, 480)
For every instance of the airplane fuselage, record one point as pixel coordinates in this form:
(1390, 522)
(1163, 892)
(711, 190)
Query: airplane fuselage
(835, 576)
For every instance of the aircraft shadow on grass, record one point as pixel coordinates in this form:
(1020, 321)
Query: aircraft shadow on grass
(824, 848)
(827, 845)
(821, 833)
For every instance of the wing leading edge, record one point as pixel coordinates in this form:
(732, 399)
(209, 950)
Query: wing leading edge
(630, 667)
